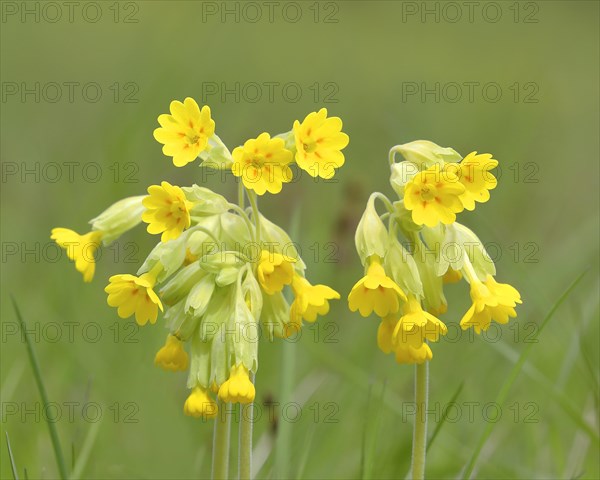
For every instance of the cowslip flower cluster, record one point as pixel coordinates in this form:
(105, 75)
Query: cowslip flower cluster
(416, 246)
(221, 274)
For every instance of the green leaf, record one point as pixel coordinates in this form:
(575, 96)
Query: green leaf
(13, 466)
(60, 459)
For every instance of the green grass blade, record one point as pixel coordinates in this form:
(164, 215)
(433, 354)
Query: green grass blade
(514, 373)
(306, 451)
(86, 450)
(13, 466)
(370, 449)
(60, 460)
(442, 421)
(283, 446)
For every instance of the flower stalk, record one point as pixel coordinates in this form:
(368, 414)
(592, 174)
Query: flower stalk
(419, 446)
(221, 436)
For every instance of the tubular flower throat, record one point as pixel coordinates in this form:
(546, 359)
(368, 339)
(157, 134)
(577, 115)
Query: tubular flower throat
(131, 294)
(310, 301)
(200, 405)
(474, 173)
(375, 292)
(168, 211)
(274, 271)
(319, 142)
(172, 356)
(411, 331)
(237, 388)
(491, 301)
(80, 249)
(262, 163)
(185, 133)
(433, 196)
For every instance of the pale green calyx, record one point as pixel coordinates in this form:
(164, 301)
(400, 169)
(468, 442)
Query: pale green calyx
(371, 235)
(119, 218)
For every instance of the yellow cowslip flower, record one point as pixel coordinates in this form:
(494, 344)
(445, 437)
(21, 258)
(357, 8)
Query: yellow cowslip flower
(433, 196)
(80, 249)
(375, 292)
(262, 163)
(474, 173)
(319, 142)
(172, 356)
(310, 301)
(167, 211)
(412, 330)
(131, 294)
(185, 133)
(385, 333)
(237, 388)
(491, 301)
(200, 405)
(274, 271)
(452, 276)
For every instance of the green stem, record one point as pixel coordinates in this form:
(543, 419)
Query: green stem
(255, 214)
(420, 428)
(241, 194)
(246, 425)
(220, 460)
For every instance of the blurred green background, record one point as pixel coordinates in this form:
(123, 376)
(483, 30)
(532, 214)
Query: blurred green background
(372, 64)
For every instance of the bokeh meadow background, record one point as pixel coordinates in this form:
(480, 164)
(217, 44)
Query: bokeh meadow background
(82, 85)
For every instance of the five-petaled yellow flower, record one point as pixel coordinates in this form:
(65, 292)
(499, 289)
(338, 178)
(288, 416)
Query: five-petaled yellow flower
(319, 142)
(274, 271)
(131, 294)
(491, 301)
(200, 405)
(263, 164)
(433, 196)
(185, 133)
(168, 211)
(375, 292)
(310, 301)
(474, 173)
(412, 330)
(237, 388)
(80, 249)
(172, 356)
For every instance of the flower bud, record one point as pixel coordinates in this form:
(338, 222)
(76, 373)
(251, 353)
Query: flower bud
(402, 268)
(371, 235)
(425, 154)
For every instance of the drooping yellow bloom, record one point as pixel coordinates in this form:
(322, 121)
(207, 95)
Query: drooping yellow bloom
(310, 301)
(274, 271)
(237, 388)
(262, 163)
(185, 133)
(375, 292)
(412, 330)
(131, 294)
(491, 301)
(172, 356)
(385, 333)
(474, 173)
(433, 196)
(452, 276)
(168, 211)
(319, 141)
(200, 405)
(80, 249)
